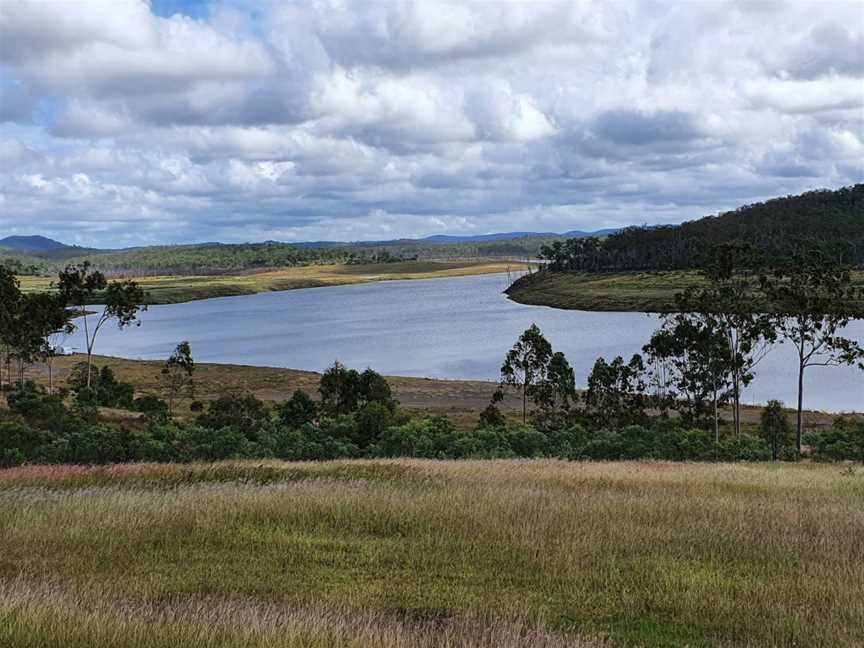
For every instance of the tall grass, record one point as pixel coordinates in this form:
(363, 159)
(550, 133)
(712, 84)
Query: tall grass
(432, 553)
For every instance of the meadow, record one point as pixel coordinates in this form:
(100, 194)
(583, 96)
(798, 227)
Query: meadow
(432, 553)
(175, 289)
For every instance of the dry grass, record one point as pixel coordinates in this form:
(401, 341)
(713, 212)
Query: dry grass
(405, 553)
(175, 289)
(54, 615)
(462, 400)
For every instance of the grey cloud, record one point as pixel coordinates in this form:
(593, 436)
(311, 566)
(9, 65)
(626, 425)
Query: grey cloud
(634, 128)
(829, 49)
(16, 102)
(365, 120)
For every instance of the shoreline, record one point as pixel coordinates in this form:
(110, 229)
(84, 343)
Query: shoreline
(178, 289)
(646, 292)
(462, 400)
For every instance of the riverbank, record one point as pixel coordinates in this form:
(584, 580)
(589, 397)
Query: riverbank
(177, 289)
(460, 400)
(651, 292)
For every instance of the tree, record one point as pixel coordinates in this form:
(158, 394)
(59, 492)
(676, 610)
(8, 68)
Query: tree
(691, 359)
(727, 301)
(10, 296)
(45, 315)
(774, 427)
(344, 390)
(812, 303)
(177, 374)
(491, 417)
(374, 388)
(526, 366)
(560, 382)
(298, 410)
(123, 301)
(616, 391)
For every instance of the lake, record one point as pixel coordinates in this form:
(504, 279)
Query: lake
(440, 328)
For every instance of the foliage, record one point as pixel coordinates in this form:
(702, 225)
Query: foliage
(616, 391)
(844, 440)
(774, 428)
(104, 389)
(242, 412)
(811, 300)
(690, 366)
(779, 228)
(123, 301)
(537, 372)
(344, 390)
(298, 410)
(177, 374)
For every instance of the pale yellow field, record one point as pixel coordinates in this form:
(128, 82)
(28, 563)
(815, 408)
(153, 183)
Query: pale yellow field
(175, 289)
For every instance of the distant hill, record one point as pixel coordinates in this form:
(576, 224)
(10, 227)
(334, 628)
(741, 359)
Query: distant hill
(831, 220)
(32, 244)
(509, 236)
(219, 258)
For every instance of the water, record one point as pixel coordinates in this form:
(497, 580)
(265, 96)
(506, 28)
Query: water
(440, 328)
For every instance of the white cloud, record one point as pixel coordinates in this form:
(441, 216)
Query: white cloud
(335, 119)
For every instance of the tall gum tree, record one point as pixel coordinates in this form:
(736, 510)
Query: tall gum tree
(122, 302)
(813, 301)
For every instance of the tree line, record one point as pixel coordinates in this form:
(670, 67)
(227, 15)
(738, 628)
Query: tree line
(706, 353)
(831, 222)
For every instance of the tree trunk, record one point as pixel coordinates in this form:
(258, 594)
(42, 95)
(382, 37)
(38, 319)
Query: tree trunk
(800, 422)
(716, 419)
(524, 403)
(89, 366)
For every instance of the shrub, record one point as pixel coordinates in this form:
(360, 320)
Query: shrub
(151, 406)
(297, 411)
(245, 413)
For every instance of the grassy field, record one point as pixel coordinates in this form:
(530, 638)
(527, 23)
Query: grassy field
(621, 291)
(424, 553)
(176, 289)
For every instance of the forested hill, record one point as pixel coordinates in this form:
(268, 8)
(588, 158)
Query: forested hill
(832, 220)
(216, 258)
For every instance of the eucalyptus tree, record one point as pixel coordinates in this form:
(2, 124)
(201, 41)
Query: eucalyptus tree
(694, 356)
(526, 368)
(728, 301)
(177, 374)
(10, 298)
(616, 390)
(122, 301)
(813, 300)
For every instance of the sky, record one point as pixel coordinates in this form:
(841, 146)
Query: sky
(126, 123)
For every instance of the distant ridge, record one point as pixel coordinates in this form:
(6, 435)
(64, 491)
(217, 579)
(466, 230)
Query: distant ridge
(32, 244)
(46, 247)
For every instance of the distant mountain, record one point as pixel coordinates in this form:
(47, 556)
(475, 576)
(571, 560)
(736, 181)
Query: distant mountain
(32, 244)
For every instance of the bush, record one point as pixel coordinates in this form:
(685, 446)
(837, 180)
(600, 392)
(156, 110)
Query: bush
(19, 443)
(843, 441)
(105, 390)
(491, 417)
(245, 413)
(297, 411)
(151, 406)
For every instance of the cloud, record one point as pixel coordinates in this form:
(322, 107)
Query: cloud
(338, 120)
